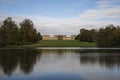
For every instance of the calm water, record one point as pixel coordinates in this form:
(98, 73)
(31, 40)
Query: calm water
(60, 64)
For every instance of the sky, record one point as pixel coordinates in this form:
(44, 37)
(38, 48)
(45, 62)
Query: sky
(66, 17)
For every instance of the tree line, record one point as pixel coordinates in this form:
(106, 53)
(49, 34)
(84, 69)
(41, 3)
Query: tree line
(103, 37)
(13, 34)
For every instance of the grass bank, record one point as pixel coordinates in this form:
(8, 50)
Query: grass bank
(62, 43)
(57, 43)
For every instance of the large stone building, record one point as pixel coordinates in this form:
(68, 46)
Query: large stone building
(58, 37)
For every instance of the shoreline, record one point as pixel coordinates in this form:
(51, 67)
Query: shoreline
(58, 43)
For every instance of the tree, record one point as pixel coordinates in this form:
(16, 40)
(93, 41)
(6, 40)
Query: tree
(77, 37)
(86, 35)
(28, 34)
(39, 36)
(9, 32)
(104, 37)
(108, 37)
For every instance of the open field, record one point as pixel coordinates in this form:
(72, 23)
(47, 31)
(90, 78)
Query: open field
(58, 43)
(63, 43)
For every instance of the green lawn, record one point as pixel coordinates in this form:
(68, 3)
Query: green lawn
(62, 43)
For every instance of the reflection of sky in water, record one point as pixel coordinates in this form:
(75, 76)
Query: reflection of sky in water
(68, 64)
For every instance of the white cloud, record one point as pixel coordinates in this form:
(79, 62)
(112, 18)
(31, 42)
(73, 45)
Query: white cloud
(105, 9)
(8, 1)
(66, 26)
(104, 3)
(108, 3)
(102, 15)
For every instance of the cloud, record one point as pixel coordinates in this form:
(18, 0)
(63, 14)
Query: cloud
(105, 9)
(105, 13)
(101, 13)
(108, 3)
(68, 26)
(104, 3)
(8, 1)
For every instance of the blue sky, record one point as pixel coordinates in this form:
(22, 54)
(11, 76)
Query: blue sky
(62, 16)
(47, 8)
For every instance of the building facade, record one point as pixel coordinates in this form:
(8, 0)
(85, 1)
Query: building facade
(58, 37)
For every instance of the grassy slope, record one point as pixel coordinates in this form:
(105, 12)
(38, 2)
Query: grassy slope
(62, 43)
(57, 43)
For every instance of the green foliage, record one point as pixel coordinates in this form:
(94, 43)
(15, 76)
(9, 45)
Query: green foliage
(104, 37)
(10, 34)
(108, 37)
(86, 35)
(28, 33)
(77, 37)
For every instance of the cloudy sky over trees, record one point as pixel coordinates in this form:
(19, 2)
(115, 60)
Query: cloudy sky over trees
(62, 16)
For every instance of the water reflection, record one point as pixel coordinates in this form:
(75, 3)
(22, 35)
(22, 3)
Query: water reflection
(105, 58)
(52, 61)
(109, 58)
(10, 59)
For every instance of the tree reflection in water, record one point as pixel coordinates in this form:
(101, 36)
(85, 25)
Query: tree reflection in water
(25, 59)
(11, 58)
(109, 58)
(105, 58)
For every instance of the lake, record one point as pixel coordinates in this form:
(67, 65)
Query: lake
(61, 63)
